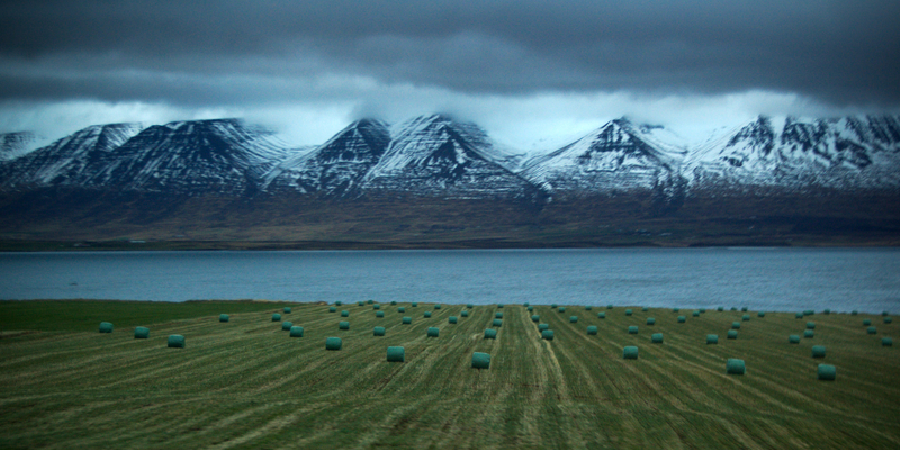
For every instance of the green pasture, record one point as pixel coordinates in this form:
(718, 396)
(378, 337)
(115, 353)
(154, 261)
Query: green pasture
(248, 384)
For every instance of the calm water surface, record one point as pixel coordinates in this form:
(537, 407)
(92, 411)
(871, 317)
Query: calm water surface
(775, 279)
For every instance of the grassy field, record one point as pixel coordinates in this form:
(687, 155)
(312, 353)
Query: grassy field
(247, 384)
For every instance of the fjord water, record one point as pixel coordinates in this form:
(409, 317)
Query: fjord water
(772, 279)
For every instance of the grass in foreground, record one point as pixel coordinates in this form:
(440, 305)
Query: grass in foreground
(247, 384)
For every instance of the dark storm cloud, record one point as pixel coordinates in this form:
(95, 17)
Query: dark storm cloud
(839, 52)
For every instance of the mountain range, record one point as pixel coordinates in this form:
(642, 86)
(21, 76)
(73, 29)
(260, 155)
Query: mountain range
(441, 157)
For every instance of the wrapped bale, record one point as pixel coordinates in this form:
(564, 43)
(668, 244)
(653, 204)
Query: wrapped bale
(453, 320)
(433, 332)
(141, 332)
(573, 319)
(379, 314)
(656, 338)
(630, 352)
(498, 323)
(601, 315)
(464, 313)
(336, 303)
(535, 318)
(886, 341)
(396, 353)
(735, 367)
(427, 314)
(332, 309)
(547, 335)
(490, 333)
(543, 326)
(794, 339)
(296, 331)
(562, 309)
(407, 320)
(732, 335)
(871, 330)
(591, 330)
(745, 318)
(808, 333)
(827, 372)
(628, 312)
(276, 317)
(379, 331)
(176, 341)
(651, 321)
(401, 310)
(736, 325)
(344, 325)
(286, 310)
(286, 326)
(682, 319)
(345, 313)
(498, 315)
(818, 351)
(481, 360)
(223, 318)
(633, 329)
(333, 343)
(712, 338)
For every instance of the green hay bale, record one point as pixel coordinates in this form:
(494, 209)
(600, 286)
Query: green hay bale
(536, 318)
(344, 325)
(296, 331)
(675, 310)
(481, 360)
(498, 315)
(223, 318)
(500, 305)
(628, 312)
(438, 306)
(360, 303)
(651, 321)
(818, 351)
(415, 304)
(376, 306)
(827, 372)
(453, 320)
(543, 326)
(645, 309)
(141, 332)
(808, 312)
(885, 313)
(401, 310)
(433, 332)
(761, 314)
(588, 308)
(396, 353)
(745, 318)
(332, 309)
(854, 312)
(871, 330)
(702, 310)
(526, 304)
(630, 352)
(573, 319)
(498, 323)
(490, 333)
(733, 308)
(427, 314)
(371, 301)
(530, 308)
(609, 306)
(407, 320)
(591, 330)
(735, 325)
(735, 367)
(286, 310)
(464, 313)
(808, 334)
(379, 331)
(656, 338)
(286, 326)
(345, 313)
(732, 335)
(333, 343)
(696, 314)
(547, 335)
(553, 306)
(867, 322)
(720, 309)
(887, 342)
(794, 339)
(562, 309)
(887, 320)
(470, 306)
(601, 315)
(338, 303)
(799, 315)
(826, 311)
(811, 325)
(393, 302)
(743, 308)
(633, 329)
(682, 319)
(276, 317)
(176, 341)
(712, 338)
(379, 313)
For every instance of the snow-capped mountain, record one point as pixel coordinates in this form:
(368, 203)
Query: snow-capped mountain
(14, 145)
(850, 152)
(616, 156)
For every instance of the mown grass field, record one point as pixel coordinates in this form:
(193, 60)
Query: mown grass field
(247, 384)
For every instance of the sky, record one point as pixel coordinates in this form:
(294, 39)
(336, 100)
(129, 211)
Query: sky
(528, 71)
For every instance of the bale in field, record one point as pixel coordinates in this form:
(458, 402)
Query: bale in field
(490, 333)
(656, 338)
(547, 335)
(808, 312)
(407, 320)
(276, 317)
(498, 315)
(810, 325)
(588, 308)
(720, 309)
(360, 303)
(818, 351)
(344, 325)
(562, 309)
(702, 310)
(733, 308)
(732, 335)
(415, 304)
(530, 308)
(379, 331)
(141, 332)
(336, 303)
(481, 360)
(396, 354)
(573, 319)
(609, 306)
(743, 308)
(433, 332)
(871, 330)
(645, 309)
(601, 315)
(464, 313)
(591, 330)
(808, 333)
(633, 329)
(826, 311)
(371, 301)
(332, 309)
(286, 310)
(526, 304)
(553, 306)
(223, 318)
(376, 306)
(735, 367)
(651, 321)
(887, 320)
(827, 372)
(736, 325)
(333, 343)
(794, 339)
(799, 315)
(712, 338)
(296, 331)
(498, 322)
(696, 314)
(453, 320)
(543, 326)
(393, 302)
(427, 314)
(886, 341)
(675, 310)
(379, 314)
(176, 341)
(535, 318)
(470, 306)
(867, 322)
(286, 326)
(401, 310)
(345, 313)
(885, 313)
(499, 305)
(745, 318)
(854, 312)
(630, 352)
(628, 312)
(761, 314)
(682, 319)
(437, 306)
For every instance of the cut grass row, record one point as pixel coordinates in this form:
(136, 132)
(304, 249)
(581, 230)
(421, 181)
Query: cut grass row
(246, 384)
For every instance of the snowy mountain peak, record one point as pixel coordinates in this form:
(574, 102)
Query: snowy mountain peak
(14, 145)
